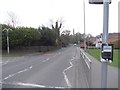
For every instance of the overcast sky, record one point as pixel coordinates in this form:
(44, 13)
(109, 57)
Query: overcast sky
(34, 13)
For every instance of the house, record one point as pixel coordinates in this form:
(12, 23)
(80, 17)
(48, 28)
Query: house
(98, 41)
(111, 38)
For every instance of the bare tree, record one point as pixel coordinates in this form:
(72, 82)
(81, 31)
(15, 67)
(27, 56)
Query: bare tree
(57, 25)
(12, 19)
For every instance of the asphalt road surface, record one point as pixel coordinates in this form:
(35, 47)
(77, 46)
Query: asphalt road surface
(56, 69)
(62, 68)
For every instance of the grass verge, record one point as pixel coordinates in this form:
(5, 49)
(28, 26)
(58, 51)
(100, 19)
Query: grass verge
(17, 53)
(96, 53)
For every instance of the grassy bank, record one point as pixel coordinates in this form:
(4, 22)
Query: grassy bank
(97, 52)
(17, 53)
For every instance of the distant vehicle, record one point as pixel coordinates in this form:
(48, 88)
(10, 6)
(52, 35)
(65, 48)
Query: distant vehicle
(75, 44)
(82, 45)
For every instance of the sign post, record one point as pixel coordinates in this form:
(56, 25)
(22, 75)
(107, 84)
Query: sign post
(104, 40)
(104, 67)
(84, 26)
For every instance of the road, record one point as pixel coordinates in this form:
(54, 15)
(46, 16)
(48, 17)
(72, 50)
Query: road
(62, 68)
(56, 69)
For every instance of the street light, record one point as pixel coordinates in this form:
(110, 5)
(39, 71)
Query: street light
(7, 29)
(84, 26)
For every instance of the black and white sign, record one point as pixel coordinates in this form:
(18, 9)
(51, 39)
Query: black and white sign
(98, 1)
(107, 51)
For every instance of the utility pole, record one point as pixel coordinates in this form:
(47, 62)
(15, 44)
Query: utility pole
(84, 26)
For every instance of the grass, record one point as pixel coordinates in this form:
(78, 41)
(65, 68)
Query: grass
(97, 52)
(17, 53)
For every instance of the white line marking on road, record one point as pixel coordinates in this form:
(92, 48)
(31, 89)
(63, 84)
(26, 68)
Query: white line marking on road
(71, 65)
(65, 76)
(73, 58)
(13, 60)
(66, 79)
(87, 64)
(3, 63)
(30, 85)
(9, 76)
(46, 60)
(59, 53)
(36, 85)
(55, 55)
(17, 58)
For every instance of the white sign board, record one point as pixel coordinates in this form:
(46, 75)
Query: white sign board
(107, 48)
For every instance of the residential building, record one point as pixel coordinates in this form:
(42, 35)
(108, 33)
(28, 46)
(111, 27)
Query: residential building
(111, 38)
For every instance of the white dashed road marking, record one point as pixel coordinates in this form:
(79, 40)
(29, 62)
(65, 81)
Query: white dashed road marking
(11, 75)
(46, 60)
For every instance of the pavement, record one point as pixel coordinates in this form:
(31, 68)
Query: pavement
(112, 74)
(62, 68)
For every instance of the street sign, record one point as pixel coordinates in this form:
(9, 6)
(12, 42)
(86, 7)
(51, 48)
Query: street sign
(98, 1)
(107, 52)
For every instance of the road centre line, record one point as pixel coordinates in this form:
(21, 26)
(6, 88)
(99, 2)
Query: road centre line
(17, 58)
(13, 60)
(11, 75)
(52, 57)
(46, 60)
(3, 63)
(59, 53)
(55, 55)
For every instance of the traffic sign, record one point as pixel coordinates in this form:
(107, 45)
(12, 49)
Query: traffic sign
(98, 1)
(107, 51)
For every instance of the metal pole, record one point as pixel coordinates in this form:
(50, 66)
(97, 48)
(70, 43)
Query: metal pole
(78, 37)
(104, 40)
(8, 50)
(84, 25)
(90, 75)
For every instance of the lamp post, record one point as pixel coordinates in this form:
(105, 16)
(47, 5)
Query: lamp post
(84, 26)
(8, 47)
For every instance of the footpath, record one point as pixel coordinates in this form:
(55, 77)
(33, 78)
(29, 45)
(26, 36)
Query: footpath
(112, 79)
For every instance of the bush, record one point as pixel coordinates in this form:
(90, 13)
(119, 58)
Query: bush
(24, 37)
(20, 37)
